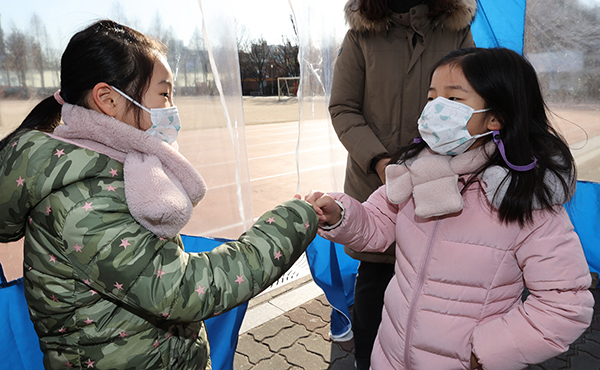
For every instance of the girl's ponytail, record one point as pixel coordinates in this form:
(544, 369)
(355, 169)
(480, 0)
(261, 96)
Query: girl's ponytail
(44, 117)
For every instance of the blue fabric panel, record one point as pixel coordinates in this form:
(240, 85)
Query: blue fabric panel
(500, 24)
(334, 272)
(20, 348)
(584, 211)
(223, 330)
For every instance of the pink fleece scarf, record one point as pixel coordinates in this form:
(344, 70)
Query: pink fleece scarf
(161, 186)
(432, 180)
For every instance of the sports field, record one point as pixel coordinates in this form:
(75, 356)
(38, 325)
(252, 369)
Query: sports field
(267, 165)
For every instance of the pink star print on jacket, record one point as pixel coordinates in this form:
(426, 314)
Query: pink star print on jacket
(239, 279)
(125, 243)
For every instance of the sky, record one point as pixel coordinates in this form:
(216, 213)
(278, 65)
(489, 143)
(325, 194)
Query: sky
(269, 19)
(590, 3)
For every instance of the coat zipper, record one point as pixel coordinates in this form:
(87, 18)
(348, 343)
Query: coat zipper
(417, 294)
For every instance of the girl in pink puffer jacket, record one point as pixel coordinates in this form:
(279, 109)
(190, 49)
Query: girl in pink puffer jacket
(475, 206)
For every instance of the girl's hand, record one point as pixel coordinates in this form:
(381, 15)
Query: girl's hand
(328, 211)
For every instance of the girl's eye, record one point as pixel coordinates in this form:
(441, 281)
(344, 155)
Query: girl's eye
(453, 98)
(166, 95)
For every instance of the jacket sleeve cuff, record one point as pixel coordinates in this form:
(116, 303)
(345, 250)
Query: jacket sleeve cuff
(374, 162)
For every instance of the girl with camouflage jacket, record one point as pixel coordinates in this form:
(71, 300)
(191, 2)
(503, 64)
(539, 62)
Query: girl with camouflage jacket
(100, 201)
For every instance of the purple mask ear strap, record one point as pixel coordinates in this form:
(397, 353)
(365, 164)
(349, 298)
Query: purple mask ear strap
(500, 145)
(417, 140)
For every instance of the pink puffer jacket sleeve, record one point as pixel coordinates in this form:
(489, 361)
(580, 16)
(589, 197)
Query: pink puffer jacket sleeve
(367, 227)
(557, 311)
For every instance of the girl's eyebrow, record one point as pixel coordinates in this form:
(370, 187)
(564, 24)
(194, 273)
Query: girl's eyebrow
(166, 81)
(456, 87)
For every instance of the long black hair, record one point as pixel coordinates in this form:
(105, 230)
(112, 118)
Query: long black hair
(103, 52)
(510, 88)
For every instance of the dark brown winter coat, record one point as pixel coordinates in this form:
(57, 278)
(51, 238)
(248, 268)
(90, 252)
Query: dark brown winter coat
(380, 84)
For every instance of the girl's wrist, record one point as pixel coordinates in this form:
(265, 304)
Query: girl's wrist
(339, 222)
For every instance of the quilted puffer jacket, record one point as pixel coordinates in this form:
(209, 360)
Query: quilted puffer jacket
(459, 279)
(105, 292)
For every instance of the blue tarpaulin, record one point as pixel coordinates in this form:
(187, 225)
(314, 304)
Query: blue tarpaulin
(500, 24)
(584, 211)
(334, 272)
(21, 349)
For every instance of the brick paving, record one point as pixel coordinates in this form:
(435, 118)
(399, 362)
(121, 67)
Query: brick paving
(298, 339)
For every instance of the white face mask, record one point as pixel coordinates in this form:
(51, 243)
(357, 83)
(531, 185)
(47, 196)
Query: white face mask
(165, 121)
(443, 126)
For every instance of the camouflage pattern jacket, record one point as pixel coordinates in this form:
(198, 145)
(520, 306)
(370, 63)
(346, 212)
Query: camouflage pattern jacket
(103, 291)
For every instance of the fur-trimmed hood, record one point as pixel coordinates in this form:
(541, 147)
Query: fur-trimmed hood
(458, 18)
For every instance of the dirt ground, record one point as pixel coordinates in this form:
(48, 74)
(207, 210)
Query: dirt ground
(267, 163)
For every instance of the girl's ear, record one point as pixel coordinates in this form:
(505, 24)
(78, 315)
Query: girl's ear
(105, 99)
(494, 123)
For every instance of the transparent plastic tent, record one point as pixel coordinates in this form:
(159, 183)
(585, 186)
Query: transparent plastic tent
(251, 168)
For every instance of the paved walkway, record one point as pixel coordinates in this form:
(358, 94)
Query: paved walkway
(297, 338)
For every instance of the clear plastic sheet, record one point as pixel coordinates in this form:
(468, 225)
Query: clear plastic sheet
(321, 158)
(217, 145)
(203, 57)
(562, 39)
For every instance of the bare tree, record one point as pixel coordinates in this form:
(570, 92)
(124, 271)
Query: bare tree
(37, 60)
(257, 61)
(199, 61)
(16, 45)
(3, 55)
(177, 55)
(38, 30)
(294, 25)
(167, 37)
(157, 30)
(242, 36)
(243, 45)
(285, 57)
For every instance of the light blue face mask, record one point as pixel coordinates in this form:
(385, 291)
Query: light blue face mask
(443, 126)
(165, 121)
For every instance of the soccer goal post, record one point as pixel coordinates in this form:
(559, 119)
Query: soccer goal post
(287, 86)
